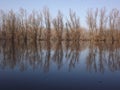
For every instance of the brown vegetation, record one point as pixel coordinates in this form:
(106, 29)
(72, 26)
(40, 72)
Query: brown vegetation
(38, 26)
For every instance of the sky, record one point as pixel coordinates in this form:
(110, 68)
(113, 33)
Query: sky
(79, 6)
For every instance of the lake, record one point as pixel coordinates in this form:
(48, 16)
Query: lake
(59, 65)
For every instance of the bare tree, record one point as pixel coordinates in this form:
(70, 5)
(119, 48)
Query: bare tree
(74, 26)
(58, 25)
(113, 17)
(102, 22)
(47, 20)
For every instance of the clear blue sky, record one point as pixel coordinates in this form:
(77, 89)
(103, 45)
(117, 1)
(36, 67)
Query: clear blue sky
(80, 6)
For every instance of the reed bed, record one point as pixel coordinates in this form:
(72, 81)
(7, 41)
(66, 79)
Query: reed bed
(40, 26)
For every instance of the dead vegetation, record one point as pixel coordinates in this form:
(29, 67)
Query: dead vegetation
(40, 26)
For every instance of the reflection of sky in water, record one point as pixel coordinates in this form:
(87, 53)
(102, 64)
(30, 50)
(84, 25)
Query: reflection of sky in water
(67, 68)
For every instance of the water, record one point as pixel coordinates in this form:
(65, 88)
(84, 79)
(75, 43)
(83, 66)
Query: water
(59, 65)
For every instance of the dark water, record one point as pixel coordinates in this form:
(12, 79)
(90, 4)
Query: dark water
(53, 66)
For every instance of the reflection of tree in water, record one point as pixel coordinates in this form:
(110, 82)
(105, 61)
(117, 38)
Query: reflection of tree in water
(101, 58)
(43, 55)
(103, 55)
(73, 55)
(91, 58)
(9, 55)
(58, 54)
(47, 56)
(114, 58)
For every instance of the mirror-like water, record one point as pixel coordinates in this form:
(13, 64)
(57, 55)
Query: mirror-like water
(59, 65)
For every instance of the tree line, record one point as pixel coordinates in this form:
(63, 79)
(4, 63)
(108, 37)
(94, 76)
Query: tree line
(40, 26)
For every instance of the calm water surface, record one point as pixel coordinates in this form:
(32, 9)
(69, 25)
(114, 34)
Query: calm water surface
(59, 65)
